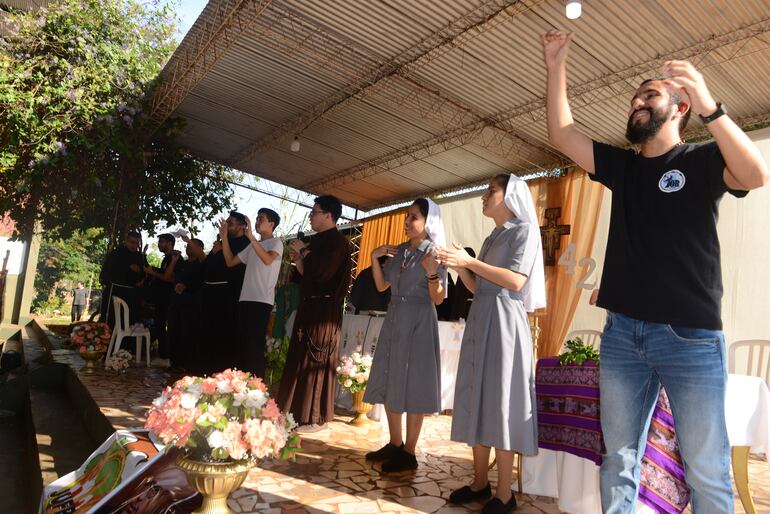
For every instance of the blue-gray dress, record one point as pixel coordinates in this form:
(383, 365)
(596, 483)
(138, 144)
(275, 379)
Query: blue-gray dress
(494, 402)
(406, 371)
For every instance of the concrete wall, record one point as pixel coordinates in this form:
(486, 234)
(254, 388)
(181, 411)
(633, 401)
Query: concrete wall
(20, 281)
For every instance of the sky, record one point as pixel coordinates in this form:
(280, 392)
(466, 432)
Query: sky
(247, 201)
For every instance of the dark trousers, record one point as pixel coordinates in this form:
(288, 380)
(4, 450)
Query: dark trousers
(77, 312)
(219, 342)
(252, 320)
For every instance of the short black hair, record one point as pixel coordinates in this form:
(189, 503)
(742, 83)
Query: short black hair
(330, 204)
(676, 97)
(238, 216)
(167, 237)
(133, 233)
(197, 242)
(271, 215)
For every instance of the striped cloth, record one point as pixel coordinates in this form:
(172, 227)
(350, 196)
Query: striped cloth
(568, 421)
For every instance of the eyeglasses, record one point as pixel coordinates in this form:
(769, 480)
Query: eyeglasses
(313, 213)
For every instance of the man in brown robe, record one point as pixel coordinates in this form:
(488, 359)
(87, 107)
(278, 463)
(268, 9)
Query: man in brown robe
(309, 377)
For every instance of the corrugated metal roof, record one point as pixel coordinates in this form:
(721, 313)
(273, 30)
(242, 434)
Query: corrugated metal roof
(393, 98)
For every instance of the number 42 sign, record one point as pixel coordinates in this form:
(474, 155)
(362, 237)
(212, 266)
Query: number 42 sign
(567, 258)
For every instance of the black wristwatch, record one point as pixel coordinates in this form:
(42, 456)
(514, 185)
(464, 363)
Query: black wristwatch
(721, 110)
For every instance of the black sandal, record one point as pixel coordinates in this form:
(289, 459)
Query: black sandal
(466, 494)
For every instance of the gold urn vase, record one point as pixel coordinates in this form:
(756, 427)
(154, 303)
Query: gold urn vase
(362, 408)
(215, 481)
(91, 358)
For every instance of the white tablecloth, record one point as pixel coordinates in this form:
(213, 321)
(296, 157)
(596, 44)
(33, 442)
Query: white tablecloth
(575, 481)
(360, 330)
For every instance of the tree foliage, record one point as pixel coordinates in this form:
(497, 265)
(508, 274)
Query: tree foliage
(75, 79)
(62, 263)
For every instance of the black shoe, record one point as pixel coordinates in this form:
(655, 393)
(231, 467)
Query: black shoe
(387, 452)
(402, 461)
(466, 494)
(496, 506)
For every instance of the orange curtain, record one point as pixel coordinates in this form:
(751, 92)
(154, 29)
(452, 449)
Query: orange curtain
(385, 229)
(580, 200)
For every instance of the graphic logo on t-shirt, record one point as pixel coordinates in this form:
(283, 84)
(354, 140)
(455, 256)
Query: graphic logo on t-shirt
(671, 181)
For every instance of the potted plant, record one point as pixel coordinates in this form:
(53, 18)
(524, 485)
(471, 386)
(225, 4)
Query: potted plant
(578, 352)
(224, 424)
(353, 375)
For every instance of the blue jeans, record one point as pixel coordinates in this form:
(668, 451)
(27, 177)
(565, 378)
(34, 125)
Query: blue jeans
(636, 358)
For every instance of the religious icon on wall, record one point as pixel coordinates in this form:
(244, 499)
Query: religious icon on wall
(551, 233)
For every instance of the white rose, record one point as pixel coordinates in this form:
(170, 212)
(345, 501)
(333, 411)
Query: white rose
(357, 358)
(348, 383)
(367, 360)
(216, 439)
(255, 399)
(238, 399)
(360, 379)
(195, 388)
(160, 400)
(223, 387)
(189, 400)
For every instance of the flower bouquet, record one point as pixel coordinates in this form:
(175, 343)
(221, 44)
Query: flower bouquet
(92, 340)
(353, 371)
(353, 375)
(223, 424)
(91, 337)
(118, 362)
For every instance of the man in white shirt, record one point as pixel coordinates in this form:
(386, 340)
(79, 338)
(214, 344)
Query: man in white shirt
(263, 264)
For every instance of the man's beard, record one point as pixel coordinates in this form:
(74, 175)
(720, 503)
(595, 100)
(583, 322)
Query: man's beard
(640, 132)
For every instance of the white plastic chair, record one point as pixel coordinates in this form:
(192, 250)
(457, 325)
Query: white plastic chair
(592, 337)
(123, 329)
(757, 361)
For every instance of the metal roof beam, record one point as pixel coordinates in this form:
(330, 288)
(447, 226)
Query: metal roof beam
(581, 95)
(456, 34)
(203, 46)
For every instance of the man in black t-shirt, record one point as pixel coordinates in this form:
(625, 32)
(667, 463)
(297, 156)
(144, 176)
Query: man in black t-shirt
(662, 283)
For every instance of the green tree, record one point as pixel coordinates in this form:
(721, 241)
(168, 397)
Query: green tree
(62, 263)
(75, 78)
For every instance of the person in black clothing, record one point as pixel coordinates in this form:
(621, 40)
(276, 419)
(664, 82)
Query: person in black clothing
(364, 294)
(662, 283)
(121, 274)
(184, 311)
(462, 299)
(221, 290)
(161, 290)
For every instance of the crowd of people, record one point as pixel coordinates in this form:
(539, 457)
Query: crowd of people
(661, 287)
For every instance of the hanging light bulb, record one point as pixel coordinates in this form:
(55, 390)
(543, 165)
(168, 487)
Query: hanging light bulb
(574, 9)
(295, 144)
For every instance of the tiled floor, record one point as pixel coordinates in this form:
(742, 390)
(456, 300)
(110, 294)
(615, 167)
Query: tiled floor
(330, 474)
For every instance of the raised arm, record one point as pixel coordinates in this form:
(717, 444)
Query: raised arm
(745, 168)
(562, 132)
(266, 257)
(457, 258)
(468, 278)
(377, 274)
(230, 259)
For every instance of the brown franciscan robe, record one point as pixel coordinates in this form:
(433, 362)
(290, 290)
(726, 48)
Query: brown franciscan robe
(309, 377)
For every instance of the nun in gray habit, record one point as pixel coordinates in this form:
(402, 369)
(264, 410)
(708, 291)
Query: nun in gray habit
(406, 372)
(494, 404)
